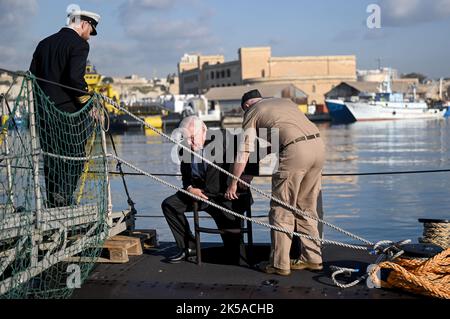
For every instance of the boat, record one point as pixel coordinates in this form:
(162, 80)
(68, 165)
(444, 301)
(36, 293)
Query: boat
(383, 105)
(187, 105)
(392, 109)
(118, 120)
(339, 112)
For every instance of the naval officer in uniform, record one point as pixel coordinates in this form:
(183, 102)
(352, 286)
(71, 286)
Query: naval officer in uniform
(297, 182)
(62, 58)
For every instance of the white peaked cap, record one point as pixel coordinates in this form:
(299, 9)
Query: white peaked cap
(91, 17)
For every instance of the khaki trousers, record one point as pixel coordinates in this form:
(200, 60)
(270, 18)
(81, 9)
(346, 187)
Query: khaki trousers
(298, 183)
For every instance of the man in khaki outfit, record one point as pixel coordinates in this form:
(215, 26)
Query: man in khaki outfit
(297, 182)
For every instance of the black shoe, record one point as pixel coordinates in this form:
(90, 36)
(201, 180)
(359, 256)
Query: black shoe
(182, 255)
(190, 254)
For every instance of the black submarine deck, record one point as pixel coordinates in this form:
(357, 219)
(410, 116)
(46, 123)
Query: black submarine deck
(149, 277)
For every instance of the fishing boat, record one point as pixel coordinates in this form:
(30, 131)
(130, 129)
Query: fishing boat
(392, 107)
(382, 105)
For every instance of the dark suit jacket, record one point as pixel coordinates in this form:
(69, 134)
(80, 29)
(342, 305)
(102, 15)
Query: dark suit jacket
(215, 183)
(62, 58)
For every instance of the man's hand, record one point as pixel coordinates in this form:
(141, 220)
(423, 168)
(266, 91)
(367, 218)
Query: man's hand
(197, 192)
(231, 192)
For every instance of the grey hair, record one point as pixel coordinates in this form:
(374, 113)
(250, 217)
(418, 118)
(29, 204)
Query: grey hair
(192, 120)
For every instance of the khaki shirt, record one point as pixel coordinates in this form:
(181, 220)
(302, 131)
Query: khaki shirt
(275, 113)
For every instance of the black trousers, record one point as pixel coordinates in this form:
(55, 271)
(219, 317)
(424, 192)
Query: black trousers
(61, 180)
(65, 135)
(174, 209)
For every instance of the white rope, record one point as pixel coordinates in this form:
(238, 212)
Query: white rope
(12, 157)
(358, 247)
(234, 213)
(386, 254)
(70, 158)
(348, 271)
(269, 196)
(375, 246)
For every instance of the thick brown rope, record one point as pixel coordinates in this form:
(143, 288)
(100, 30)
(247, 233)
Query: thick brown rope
(429, 277)
(436, 233)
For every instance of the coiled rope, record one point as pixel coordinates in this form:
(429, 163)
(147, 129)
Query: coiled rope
(436, 232)
(429, 277)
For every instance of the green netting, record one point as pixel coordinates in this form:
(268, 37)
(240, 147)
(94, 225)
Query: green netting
(53, 195)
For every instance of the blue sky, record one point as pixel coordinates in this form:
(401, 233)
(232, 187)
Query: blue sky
(148, 37)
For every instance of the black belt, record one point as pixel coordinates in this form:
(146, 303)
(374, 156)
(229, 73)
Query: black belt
(300, 139)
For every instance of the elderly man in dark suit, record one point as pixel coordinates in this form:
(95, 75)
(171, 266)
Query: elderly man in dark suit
(209, 183)
(62, 58)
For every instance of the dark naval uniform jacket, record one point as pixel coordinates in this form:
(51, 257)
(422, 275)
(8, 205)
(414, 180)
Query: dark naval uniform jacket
(62, 58)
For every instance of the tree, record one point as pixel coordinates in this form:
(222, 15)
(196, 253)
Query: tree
(415, 75)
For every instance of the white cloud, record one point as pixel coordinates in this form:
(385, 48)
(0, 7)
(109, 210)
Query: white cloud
(151, 4)
(14, 35)
(14, 17)
(161, 31)
(16, 12)
(412, 12)
(131, 9)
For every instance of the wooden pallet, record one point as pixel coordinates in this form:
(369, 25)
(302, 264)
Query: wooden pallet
(120, 247)
(148, 237)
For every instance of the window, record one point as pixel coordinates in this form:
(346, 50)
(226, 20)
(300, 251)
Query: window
(212, 75)
(263, 73)
(314, 89)
(228, 73)
(218, 74)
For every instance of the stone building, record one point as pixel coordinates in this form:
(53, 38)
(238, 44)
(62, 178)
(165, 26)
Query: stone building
(314, 75)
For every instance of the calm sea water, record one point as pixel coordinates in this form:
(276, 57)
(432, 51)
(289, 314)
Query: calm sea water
(374, 207)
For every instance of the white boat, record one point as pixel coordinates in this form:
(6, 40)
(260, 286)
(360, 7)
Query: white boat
(207, 111)
(388, 110)
(386, 105)
(186, 105)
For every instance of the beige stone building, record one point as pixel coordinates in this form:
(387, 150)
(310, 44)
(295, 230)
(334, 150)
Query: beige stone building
(6, 81)
(314, 75)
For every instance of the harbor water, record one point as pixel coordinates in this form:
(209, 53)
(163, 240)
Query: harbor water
(374, 207)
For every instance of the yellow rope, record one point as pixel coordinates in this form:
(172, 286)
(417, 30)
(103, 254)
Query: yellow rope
(429, 277)
(4, 131)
